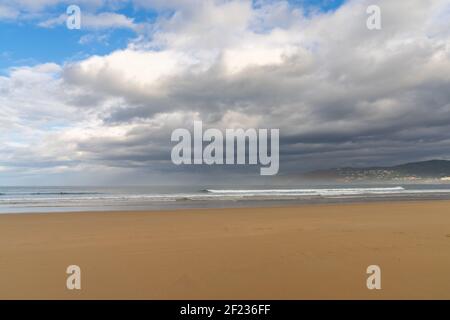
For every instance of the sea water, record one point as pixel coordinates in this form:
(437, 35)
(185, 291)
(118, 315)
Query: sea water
(65, 199)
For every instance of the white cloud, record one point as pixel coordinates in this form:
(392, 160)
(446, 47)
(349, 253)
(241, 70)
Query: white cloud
(7, 12)
(128, 71)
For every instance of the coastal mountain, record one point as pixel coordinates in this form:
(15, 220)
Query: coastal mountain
(414, 171)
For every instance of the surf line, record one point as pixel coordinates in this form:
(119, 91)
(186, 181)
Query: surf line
(235, 147)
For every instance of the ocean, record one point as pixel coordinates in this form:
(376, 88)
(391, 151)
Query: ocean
(70, 199)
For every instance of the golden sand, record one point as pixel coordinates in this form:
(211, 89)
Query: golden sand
(303, 252)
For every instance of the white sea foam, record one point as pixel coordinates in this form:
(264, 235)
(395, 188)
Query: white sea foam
(306, 192)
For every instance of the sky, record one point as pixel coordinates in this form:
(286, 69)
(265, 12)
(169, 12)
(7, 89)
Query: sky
(97, 106)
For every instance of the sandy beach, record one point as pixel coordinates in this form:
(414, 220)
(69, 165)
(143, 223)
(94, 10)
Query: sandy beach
(303, 252)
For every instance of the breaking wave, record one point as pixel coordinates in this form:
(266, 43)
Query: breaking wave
(308, 192)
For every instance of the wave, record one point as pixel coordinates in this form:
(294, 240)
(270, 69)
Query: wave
(212, 195)
(60, 193)
(49, 193)
(328, 191)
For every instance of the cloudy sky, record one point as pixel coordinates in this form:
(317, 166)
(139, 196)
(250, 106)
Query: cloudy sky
(98, 105)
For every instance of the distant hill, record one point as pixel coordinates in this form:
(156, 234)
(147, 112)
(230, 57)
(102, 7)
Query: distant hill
(433, 169)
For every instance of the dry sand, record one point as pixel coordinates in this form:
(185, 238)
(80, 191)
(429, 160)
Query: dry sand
(304, 252)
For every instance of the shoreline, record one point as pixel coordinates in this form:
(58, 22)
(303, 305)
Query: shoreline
(243, 204)
(318, 251)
